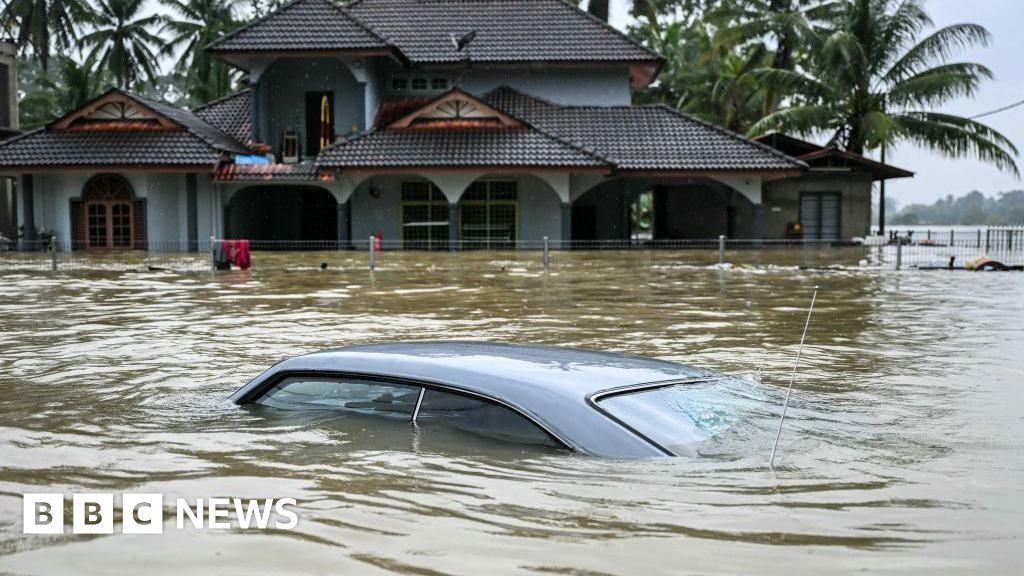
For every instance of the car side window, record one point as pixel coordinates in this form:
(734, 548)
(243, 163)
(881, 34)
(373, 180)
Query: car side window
(336, 393)
(480, 417)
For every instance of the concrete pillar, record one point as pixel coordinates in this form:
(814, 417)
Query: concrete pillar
(453, 225)
(254, 108)
(757, 222)
(28, 209)
(192, 211)
(566, 224)
(344, 230)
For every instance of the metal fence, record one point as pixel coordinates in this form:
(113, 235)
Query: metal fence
(1005, 246)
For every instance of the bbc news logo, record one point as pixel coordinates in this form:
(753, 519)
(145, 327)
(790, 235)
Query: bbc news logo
(144, 513)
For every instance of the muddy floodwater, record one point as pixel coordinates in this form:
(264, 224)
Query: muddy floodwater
(903, 451)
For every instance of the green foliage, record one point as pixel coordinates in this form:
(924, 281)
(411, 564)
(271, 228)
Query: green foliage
(40, 26)
(713, 49)
(198, 23)
(50, 94)
(869, 80)
(123, 42)
(974, 208)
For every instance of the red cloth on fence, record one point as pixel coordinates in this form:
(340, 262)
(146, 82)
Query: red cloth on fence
(237, 252)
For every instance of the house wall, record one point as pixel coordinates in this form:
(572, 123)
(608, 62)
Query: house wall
(568, 86)
(782, 201)
(282, 93)
(166, 204)
(539, 208)
(580, 86)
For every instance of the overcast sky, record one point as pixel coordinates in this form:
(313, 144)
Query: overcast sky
(937, 175)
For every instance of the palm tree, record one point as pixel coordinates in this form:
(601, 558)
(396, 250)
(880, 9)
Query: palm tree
(122, 43)
(51, 94)
(871, 82)
(703, 77)
(787, 24)
(45, 24)
(202, 22)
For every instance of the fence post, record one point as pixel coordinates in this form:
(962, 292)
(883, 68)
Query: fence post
(373, 255)
(547, 254)
(951, 238)
(53, 252)
(1009, 240)
(721, 248)
(988, 241)
(929, 233)
(899, 253)
(979, 238)
(213, 258)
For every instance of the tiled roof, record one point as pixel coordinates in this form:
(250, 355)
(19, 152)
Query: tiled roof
(186, 140)
(231, 114)
(304, 172)
(193, 123)
(480, 147)
(507, 31)
(44, 148)
(302, 25)
(644, 137)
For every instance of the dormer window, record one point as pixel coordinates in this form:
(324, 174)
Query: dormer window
(419, 83)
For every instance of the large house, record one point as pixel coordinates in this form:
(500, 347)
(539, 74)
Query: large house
(434, 124)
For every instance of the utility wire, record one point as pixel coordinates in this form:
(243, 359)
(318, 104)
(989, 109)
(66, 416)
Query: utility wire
(997, 110)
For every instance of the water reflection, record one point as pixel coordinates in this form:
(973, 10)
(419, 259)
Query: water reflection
(903, 446)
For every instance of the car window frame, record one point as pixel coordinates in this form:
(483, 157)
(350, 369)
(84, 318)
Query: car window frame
(594, 400)
(258, 392)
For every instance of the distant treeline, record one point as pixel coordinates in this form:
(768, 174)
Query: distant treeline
(972, 208)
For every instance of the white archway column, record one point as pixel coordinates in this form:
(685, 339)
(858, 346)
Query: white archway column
(751, 187)
(360, 71)
(453, 185)
(256, 69)
(561, 183)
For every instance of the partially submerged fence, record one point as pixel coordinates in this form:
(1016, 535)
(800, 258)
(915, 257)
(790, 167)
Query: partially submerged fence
(905, 253)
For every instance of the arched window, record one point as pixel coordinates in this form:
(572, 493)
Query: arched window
(109, 221)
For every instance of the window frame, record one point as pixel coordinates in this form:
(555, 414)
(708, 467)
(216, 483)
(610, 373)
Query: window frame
(435, 199)
(256, 394)
(594, 400)
(487, 203)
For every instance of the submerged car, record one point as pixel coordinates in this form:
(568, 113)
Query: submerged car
(585, 401)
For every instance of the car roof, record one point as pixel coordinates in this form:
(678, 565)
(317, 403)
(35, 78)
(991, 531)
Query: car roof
(491, 367)
(549, 383)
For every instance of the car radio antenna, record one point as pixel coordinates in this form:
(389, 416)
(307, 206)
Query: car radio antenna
(792, 377)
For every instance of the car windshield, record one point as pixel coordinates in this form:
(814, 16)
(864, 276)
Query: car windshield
(681, 417)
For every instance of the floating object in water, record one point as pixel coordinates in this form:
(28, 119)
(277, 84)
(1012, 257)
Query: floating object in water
(986, 264)
(323, 265)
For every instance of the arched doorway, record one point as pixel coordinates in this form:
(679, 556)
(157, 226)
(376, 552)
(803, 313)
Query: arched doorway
(701, 209)
(283, 217)
(107, 218)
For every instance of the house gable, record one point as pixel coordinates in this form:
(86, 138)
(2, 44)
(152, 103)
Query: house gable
(115, 110)
(456, 109)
